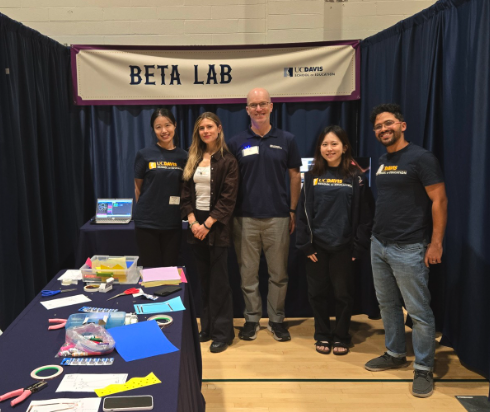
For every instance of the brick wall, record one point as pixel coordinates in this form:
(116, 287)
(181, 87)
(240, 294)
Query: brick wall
(208, 22)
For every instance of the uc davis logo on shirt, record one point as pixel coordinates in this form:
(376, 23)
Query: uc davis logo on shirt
(330, 182)
(163, 165)
(390, 170)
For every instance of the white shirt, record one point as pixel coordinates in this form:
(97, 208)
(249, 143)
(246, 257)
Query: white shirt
(202, 179)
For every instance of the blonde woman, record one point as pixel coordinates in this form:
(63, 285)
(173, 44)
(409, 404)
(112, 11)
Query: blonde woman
(208, 200)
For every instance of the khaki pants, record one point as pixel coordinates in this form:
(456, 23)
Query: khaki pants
(251, 236)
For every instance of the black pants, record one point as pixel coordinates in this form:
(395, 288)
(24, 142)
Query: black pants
(332, 271)
(217, 304)
(158, 248)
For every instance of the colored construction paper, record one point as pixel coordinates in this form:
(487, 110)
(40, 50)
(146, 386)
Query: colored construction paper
(165, 273)
(141, 340)
(172, 305)
(133, 383)
(183, 279)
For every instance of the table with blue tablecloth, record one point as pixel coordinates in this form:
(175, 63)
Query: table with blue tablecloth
(27, 344)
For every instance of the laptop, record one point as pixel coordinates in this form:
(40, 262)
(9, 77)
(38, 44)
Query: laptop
(113, 211)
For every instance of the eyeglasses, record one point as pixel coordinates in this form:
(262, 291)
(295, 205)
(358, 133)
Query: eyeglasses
(387, 123)
(262, 105)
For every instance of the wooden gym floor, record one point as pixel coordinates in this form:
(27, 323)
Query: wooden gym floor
(269, 376)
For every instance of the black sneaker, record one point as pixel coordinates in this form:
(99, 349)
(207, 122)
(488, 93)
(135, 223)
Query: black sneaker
(204, 337)
(423, 383)
(279, 332)
(249, 331)
(218, 347)
(385, 362)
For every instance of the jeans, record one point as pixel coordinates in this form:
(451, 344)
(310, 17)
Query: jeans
(401, 277)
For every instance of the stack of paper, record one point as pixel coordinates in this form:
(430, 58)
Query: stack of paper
(160, 276)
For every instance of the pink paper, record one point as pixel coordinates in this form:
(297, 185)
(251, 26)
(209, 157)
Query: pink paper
(166, 273)
(183, 279)
(88, 262)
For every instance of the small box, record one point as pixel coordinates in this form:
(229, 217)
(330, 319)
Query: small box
(122, 268)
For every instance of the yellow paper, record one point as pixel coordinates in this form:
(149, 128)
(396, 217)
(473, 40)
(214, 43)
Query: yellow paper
(133, 383)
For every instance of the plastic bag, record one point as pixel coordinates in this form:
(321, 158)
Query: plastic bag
(87, 340)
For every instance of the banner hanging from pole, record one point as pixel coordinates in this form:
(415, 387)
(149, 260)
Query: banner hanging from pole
(137, 75)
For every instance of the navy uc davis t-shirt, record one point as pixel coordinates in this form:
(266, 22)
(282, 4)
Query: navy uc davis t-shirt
(158, 206)
(264, 163)
(403, 208)
(331, 225)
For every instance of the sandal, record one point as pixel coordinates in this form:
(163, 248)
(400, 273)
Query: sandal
(340, 345)
(325, 344)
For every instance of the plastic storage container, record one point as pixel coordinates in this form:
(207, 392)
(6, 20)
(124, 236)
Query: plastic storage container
(113, 319)
(123, 269)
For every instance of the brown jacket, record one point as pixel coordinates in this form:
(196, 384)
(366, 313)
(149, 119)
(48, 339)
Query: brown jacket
(224, 190)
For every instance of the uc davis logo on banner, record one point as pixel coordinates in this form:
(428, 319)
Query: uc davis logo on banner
(305, 71)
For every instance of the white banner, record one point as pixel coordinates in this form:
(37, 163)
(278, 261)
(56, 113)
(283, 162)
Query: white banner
(195, 75)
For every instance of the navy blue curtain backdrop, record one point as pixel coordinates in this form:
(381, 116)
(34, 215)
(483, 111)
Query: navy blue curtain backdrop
(436, 65)
(45, 179)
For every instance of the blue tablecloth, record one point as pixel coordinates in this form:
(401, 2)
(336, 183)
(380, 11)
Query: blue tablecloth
(27, 344)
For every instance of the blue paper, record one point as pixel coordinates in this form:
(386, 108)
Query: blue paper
(141, 340)
(172, 305)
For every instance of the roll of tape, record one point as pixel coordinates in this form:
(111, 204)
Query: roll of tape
(91, 288)
(162, 320)
(59, 371)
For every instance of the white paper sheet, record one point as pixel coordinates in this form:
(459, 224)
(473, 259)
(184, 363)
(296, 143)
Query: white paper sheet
(71, 274)
(78, 405)
(60, 302)
(89, 382)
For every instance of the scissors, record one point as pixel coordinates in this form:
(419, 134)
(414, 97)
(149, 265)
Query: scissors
(22, 394)
(126, 292)
(46, 293)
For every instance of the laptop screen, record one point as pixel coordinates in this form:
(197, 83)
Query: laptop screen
(114, 208)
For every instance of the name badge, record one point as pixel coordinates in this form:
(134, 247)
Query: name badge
(250, 151)
(174, 200)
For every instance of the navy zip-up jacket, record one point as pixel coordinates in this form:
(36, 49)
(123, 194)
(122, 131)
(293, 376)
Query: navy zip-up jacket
(362, 214)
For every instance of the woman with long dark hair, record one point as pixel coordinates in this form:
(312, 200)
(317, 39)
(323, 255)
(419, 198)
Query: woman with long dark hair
(208, 200)
(158, 173)
(334, 223)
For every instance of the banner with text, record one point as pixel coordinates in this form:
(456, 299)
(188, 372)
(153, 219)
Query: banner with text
(134, 75)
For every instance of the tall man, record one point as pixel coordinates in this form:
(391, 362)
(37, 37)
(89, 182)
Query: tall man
(409, 225)
(264, 218)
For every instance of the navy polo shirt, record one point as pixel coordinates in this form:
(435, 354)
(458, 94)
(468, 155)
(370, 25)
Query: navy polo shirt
(264, 163)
